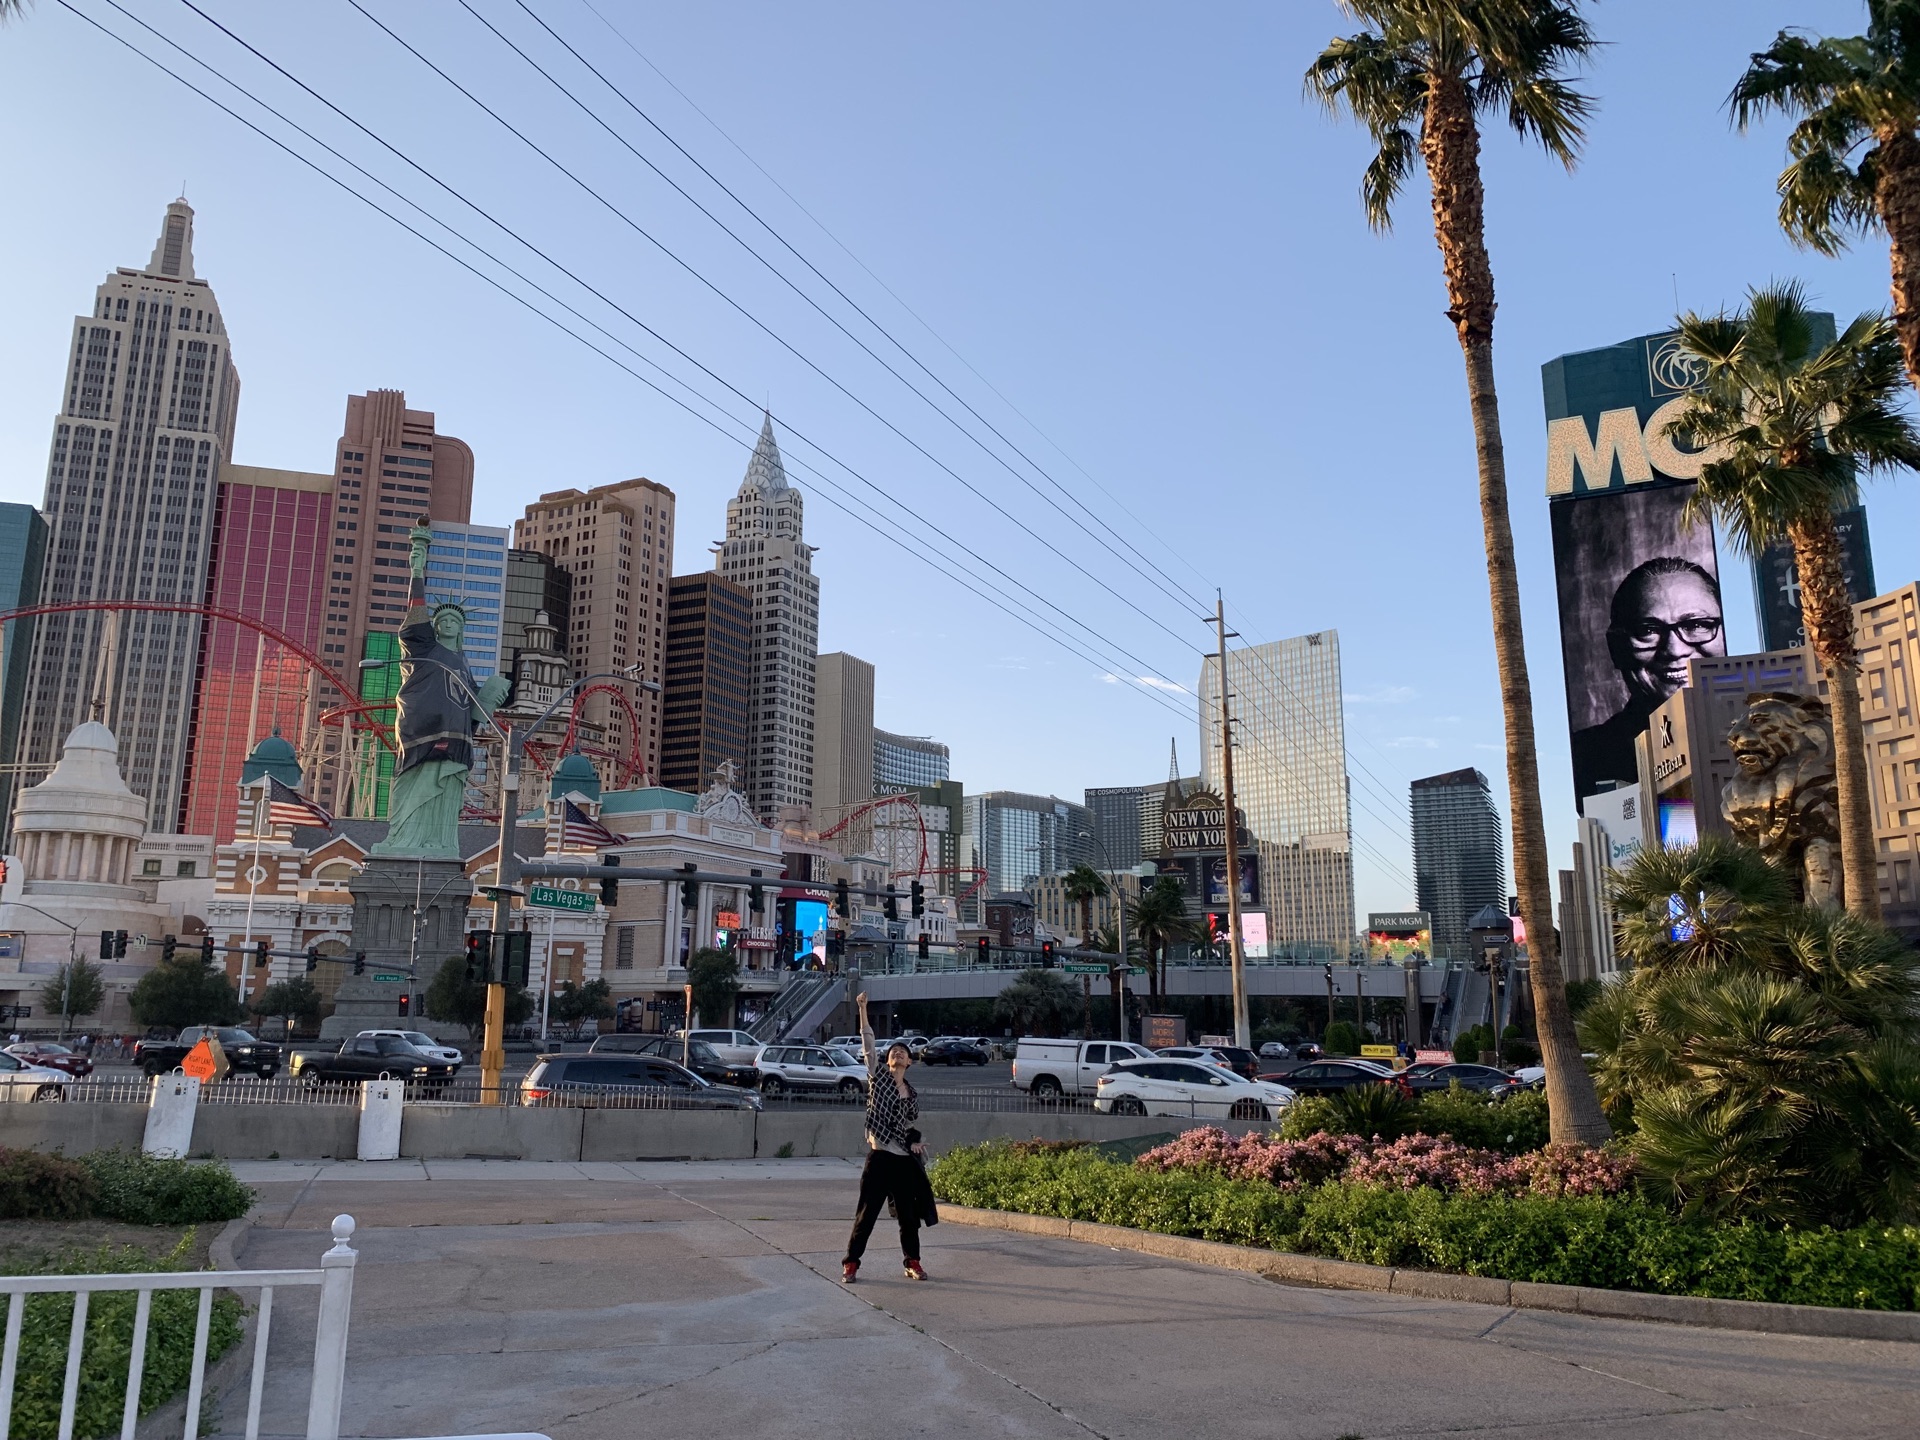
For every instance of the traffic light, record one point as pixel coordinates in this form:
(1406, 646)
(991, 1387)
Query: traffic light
(893, 904)
(923, 945)
(1046, 952)
(919, 893)
(359, 962)
(106, 944)
(610, 886)
(206, 949)
(690, 891)
(168, 947)
(986, 949)
(842, 900)
(516, 959)
(119, 944)
(757, 898)
(313, 958)
(476, 956)
(406, 1004)
(1329, 972)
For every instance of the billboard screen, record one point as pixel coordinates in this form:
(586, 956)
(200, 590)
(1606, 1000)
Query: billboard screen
(1776, 582)
(1216, 866)
(1399, 936)
(1639, 597)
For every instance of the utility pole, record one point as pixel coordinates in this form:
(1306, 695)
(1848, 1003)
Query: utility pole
(1242, 1029)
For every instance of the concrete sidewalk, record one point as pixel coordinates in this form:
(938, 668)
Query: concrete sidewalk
(702, 1300)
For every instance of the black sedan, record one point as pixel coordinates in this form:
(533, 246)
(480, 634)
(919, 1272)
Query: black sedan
(953, 1052)
(1483, 1079)
(697, 1055)
(1328, 1077)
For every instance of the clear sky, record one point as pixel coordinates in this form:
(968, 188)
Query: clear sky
(1116, 231)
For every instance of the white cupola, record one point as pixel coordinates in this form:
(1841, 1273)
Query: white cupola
(77, 830)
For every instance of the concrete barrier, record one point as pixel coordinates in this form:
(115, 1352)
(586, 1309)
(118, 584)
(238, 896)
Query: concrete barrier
(264, 1132)
(811, 1132)
(433, 1131)
(73, 1129)
(667, 1134)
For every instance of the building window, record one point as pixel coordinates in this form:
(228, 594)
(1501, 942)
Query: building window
(149, 867)
(623, 948)
(186, 869)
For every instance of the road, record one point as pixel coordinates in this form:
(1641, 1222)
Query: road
(590, 1301)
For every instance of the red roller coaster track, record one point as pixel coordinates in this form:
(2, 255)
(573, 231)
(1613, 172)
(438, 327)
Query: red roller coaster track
(868, 808)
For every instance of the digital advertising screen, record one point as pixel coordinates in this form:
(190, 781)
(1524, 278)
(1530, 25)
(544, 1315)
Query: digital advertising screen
(809, 928)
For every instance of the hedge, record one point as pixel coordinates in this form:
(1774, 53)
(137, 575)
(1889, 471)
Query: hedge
(109, 1345)
(118, 1185)
(1622, 1243)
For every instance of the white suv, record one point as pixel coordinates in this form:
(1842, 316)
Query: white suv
(810, 1067)
(734, 1047)
(1187, 1088)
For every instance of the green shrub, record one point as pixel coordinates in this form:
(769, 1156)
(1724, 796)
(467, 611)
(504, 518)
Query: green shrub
(1343, 1037)
(1309, 1115)
(1624, 1244)
(109, 1345)
(1470, 1042)
(1369, 1110)
(1513, 1126)
(34, 1186)
(142, 1190)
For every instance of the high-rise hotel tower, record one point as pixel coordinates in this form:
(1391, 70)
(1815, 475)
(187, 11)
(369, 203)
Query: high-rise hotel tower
(145, 426)
(764, 551)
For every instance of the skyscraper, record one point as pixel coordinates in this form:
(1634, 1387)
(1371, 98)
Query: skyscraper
(467, 566)
(1014, 837)
(393, 470)
(907, 762)
(764, 551)
(23, 554)
(536, 585)
(268, 560)
(145, 425)
(1459, 855)
(1117, 823)
(1290, 781)
(703, 713)
(842, 737)
(617, 543)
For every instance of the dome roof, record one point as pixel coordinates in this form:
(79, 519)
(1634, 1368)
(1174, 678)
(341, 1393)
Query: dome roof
(575, 773)
(272, 756)
(85, 792)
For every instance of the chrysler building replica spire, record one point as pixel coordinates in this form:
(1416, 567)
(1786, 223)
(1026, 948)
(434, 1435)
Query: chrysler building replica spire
(764, 551)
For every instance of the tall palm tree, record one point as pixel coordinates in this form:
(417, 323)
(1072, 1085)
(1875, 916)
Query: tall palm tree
(1082, 885)
(1419, 77)
(1792, 423)
(1854, 158)
(10, 8)
(1159, 918)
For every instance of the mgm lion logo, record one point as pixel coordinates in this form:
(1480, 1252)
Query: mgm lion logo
(1784, 800)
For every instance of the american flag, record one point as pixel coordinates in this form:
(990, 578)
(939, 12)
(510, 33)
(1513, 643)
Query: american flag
(290, 807)
(580, 831)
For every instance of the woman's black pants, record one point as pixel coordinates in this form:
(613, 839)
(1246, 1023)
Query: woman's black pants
(887, 1177)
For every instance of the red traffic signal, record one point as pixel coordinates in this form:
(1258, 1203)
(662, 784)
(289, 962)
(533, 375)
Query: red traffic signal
(406, 1004)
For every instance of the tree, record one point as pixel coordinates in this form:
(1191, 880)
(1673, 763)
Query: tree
(11, 8)
(1083, 885)
(571, 1004)
(715, 977)
(185, 991)
(290, 1000)
(86, 993)
(1790, 423)
(452, 999)
(1159, 918)
(1854, 158)
(1419, 78)
(1037, 1002)
(1764, 1055)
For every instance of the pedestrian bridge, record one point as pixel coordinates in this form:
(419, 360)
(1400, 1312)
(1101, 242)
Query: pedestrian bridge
(910, 979)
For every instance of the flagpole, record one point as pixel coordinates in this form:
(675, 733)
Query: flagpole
(252, 886)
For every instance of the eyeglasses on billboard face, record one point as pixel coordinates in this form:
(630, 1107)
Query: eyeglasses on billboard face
(1649, 634)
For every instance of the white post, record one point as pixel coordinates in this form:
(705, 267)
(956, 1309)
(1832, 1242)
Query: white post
(380, 1111)
(330, 1336)
(170, 1111)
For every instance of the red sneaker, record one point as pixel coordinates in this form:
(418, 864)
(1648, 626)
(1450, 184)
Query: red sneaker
(913, 1270)
(848, 1269)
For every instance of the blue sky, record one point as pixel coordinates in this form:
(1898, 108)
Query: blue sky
(1124, 218)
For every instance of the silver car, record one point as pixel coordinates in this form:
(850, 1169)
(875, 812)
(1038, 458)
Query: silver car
(22, 1080)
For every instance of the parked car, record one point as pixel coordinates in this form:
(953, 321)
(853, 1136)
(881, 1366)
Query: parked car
(1482, 1078)
(627, 1082)
(23, 1080)
(810, 1067)
(848, 1043)
(1274, 1050)
(1329, 1077)
(1048, 1068)
(424, 1043)
(243, 1051)
(735, 1047)
(371, 1056)
(696, 1055)
(48, 1055)
(1188, 1088)
(953, 1052)
(1243, 1063)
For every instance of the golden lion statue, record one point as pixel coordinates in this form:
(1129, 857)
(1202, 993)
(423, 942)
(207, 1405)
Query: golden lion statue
(1784, 800)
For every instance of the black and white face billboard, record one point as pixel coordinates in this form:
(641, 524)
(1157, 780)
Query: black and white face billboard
(1639, 596)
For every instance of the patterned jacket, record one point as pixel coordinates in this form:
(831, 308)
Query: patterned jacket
(890, 1115)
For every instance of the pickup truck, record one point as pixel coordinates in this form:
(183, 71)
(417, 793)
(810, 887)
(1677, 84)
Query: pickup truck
(373, 1057)
(1051, 1068)
(260, 1057)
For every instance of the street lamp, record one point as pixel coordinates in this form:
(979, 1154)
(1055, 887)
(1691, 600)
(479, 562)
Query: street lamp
(1120, 921)
(73, 959)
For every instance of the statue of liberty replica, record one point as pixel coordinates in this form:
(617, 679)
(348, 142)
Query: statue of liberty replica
(440, 707)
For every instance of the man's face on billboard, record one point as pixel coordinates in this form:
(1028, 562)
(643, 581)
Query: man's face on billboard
(1660, 623)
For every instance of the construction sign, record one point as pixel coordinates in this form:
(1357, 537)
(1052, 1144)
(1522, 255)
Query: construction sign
(206, 1062)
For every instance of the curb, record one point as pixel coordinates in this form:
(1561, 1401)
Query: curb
(1287, 1268)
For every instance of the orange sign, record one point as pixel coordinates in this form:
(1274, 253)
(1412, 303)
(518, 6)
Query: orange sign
(206, 1062)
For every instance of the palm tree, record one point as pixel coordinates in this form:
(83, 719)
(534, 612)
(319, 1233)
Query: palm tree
(1082, 885)
(10, 8)
(1419, 78)
(1159, 918)
(1791, 422)
(1855, 161)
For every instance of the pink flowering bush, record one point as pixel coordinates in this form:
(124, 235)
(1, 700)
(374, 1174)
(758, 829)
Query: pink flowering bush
(1413, 1162)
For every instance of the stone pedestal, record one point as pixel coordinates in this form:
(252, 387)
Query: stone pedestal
(388, 896)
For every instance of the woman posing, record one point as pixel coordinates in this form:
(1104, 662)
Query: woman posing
(893, 1170)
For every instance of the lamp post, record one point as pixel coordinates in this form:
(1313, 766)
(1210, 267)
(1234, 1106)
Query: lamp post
(73, 959)
(1120, 968)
